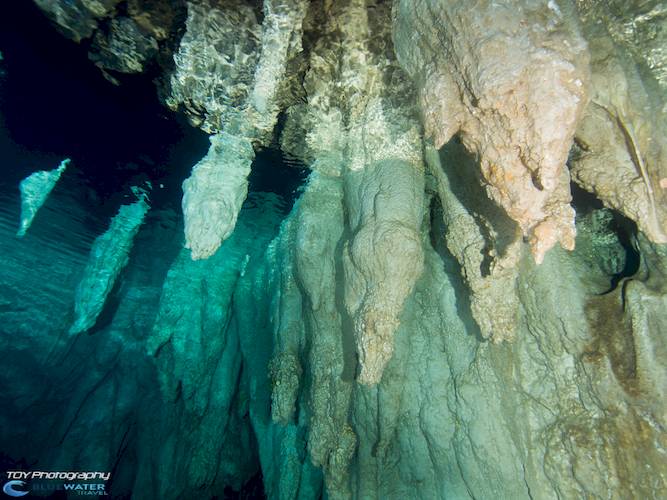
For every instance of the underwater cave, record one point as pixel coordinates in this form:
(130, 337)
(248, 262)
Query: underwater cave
(333, 249)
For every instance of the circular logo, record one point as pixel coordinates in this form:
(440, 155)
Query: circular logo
(8, 488)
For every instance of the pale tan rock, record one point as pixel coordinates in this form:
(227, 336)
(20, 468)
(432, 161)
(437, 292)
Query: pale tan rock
(384, 258)
(511, 80)
(489, 267)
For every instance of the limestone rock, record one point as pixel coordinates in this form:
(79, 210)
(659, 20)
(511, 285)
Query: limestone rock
(600, 245)
(281, 38)
(621, 147)
(511, 80)
(331, 440)
(108, 256)
(636, 25)
(122, 37)
(35, 189)
(157, 18)
(214, 193)
(123, 47)
(358, 127)
(351, 347)
(196, 328)
(482, 239)
(218, 185)
(77, 19)
(384, 258)
(215, 62)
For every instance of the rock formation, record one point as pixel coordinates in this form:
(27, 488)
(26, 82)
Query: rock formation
(621, 150)
(109, 254)
(466, 300)
(214, 193)
(218, 185)
(511, 80)
(35, 189)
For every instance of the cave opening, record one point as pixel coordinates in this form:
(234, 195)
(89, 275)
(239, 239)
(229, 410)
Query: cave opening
(55, 104)
(615, 224)
(273, 171)
(626, 230)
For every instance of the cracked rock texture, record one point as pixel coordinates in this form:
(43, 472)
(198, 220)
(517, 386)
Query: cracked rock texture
(639, 26)
(78, 19)
(123, 36)
(215, 62)
(410, 327)
(123, 48)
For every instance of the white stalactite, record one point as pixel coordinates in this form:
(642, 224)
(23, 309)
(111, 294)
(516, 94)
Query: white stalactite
(108, 256)
(215, 191)
(35, 189)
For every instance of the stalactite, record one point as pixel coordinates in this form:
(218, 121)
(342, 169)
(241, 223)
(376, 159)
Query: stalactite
(621, 150)
(108, 256)
(513, 87)
(489, 268)
(214, 193)
(195, 342)
(35, 189)
(384, 258)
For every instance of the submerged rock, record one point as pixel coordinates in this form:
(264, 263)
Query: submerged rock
(77, 19)
(621, 148)
(35, 189)
(215, 62)
(383, 260)
(214, 193)
(123, 47)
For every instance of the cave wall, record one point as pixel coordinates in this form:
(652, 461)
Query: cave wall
(436, 317)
